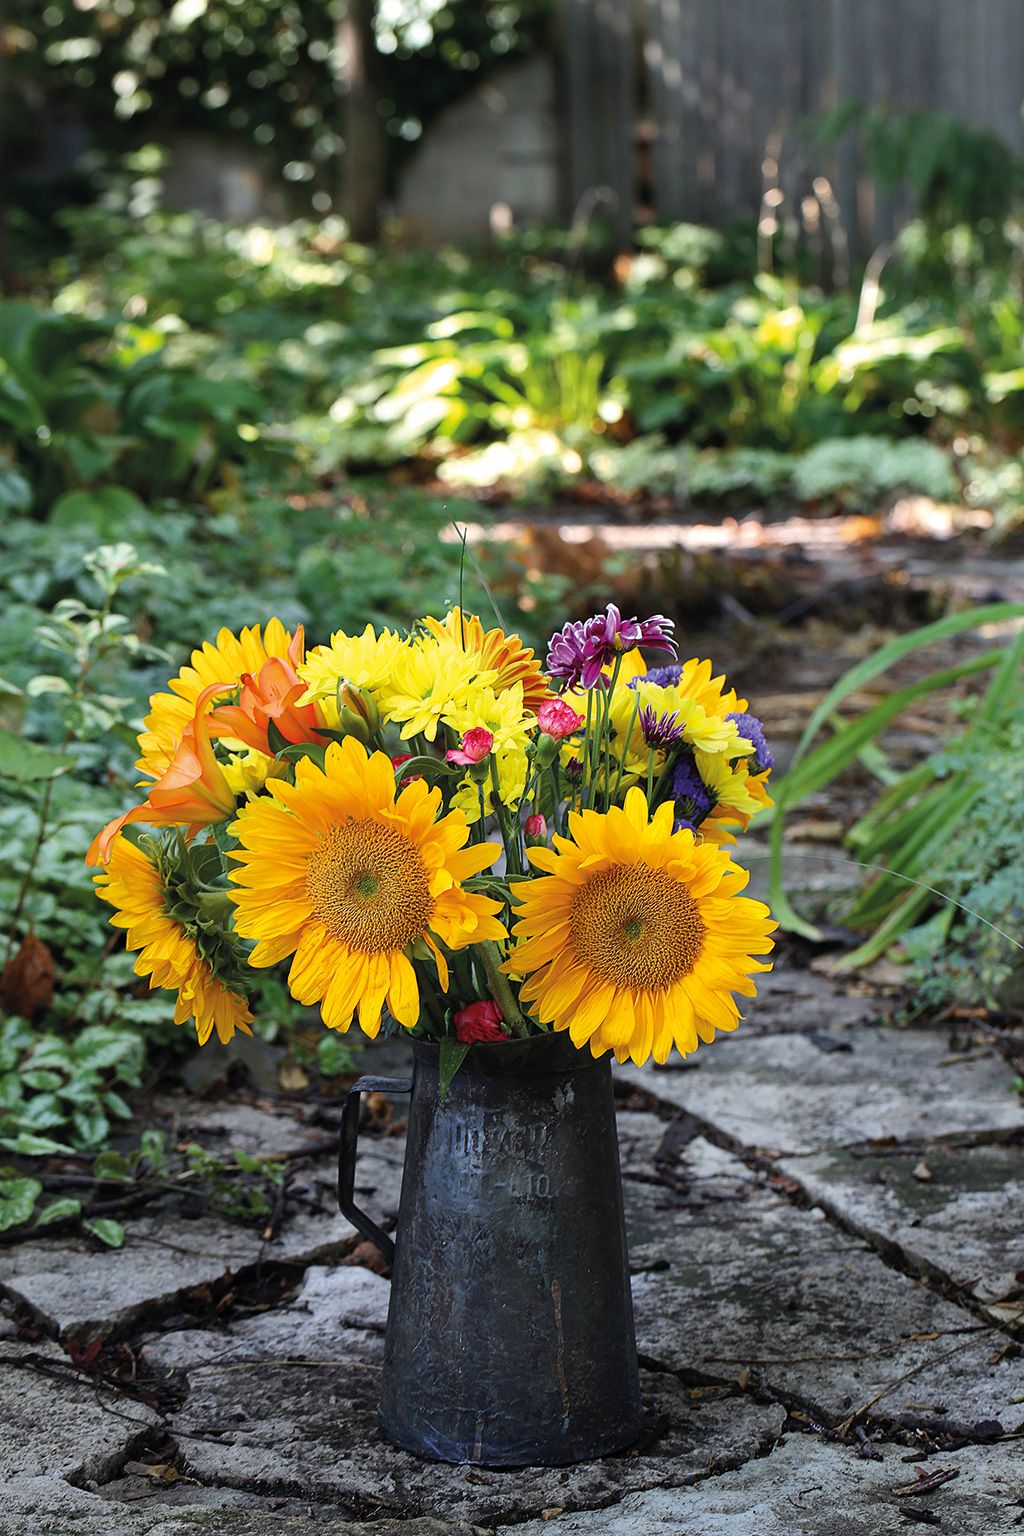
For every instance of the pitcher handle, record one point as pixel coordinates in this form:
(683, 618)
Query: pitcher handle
(347, 1157)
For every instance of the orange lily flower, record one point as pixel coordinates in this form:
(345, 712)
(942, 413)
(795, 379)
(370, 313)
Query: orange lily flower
(193, 793)
(271, 696)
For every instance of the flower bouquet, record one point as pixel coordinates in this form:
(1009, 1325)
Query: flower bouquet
(526, 869)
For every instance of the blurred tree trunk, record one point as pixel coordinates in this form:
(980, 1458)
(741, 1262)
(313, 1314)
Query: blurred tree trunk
(365, 144)
(5, 173)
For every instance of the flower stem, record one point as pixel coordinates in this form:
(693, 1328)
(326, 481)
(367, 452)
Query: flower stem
(501, 987)
(625, 747)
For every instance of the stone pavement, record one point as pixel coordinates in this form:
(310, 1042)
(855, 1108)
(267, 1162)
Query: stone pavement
(825, 1219)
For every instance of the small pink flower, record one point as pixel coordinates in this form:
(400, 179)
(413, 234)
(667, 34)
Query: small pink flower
(479, 1024)
(557, 719)
(476, 745)
(536, 827)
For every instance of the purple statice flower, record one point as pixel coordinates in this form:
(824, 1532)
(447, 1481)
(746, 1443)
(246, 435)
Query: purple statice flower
(660, 730)
(664, 677)
(579, 652)
(693, 800)
(751, 729)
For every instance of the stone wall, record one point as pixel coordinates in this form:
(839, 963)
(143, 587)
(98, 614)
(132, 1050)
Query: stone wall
(489, 162)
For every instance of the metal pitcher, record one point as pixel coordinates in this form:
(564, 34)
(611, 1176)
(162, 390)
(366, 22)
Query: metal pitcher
(510, 1330)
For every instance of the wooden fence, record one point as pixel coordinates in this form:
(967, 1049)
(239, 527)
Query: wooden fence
(694, 107)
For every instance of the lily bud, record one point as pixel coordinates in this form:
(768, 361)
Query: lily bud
(361, 702)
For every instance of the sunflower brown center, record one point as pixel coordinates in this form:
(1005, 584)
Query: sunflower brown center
(637, 928)
(369, 887)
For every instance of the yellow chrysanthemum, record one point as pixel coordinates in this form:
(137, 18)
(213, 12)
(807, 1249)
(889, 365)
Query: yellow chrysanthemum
(729, 785)
(428, 678)
(635, 937)
(348, 879)
(695, 682)
(501, 713)
(168, 955)
(365, 661)
(220, 661)
(249, 769)
(748, 795)
(513, 769)
(505, 656)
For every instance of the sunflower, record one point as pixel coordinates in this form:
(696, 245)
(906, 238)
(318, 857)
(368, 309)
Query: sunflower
(495, 652)
(221, 661)
(169, 956)
(348, 879)
(635, 937)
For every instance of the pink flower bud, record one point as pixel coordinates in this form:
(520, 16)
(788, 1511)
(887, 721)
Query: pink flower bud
(557, 720)
(479, 1024)
(476, 745)
(535, 827)
(397, 761)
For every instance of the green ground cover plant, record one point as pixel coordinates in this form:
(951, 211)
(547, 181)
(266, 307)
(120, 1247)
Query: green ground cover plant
(940, 849)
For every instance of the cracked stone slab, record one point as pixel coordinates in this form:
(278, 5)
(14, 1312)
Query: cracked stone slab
(227, 1126)
(59, 1432)
(791, 1000)
(84, 1294)
(286, 1403)
(809, 1487)
(950, 1211)
(787, 1095)
(756, 1289)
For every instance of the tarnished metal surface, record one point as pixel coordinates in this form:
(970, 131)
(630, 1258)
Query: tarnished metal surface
(510, 1332)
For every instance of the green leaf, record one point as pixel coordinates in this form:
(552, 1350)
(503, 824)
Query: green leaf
(26, 1145)
(18, 1197)
(58, 1210)
(42, 1080)
(334, 1055)
(26, 762)
(426, 766)
(248, 1163)
(109, 1232)
(12, 706)
(115, 1105)
(42, 1112)
(113, 1166)
(453, 1054)
(887, 656)
(91, 1126)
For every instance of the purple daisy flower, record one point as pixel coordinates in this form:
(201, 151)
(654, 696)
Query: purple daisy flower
(751, 729)
(693, 800)
(578, 653)
(660, 730)
(567, 653)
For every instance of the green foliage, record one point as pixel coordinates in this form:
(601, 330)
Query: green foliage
(56, 1091)
(920, 814)
(861, 472)
(85, 404)
(243, 1188)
